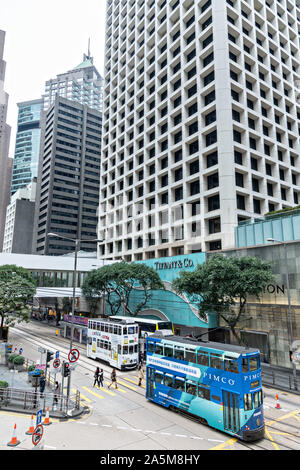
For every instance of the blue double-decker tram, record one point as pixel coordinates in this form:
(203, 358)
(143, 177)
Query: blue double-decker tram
(219, 384)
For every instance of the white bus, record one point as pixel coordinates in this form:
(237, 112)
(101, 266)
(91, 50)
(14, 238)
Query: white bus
(148, 327)
(114, 341)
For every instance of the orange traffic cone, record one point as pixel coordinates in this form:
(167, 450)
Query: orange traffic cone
(46, 421)
(277, 401)
(31, 427)
(14, 441)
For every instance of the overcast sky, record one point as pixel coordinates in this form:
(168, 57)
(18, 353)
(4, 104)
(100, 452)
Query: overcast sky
(43, 39)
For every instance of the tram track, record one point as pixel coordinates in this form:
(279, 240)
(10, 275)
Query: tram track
(58, 343)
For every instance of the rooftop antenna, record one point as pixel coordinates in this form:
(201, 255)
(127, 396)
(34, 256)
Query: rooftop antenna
(89, 52)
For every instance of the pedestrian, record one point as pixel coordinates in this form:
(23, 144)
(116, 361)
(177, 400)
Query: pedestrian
(96, 375)
(113, 377)
(100, 378)
(56, 393)
(140, 374)
(42, 384)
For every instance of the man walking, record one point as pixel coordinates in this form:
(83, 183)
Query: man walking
(113, 377)
(100, 378)
(140, 374)
(42, 384)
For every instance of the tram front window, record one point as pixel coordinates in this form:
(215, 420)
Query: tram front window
(254, 363)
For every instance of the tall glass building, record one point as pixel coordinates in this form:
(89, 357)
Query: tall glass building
(27, 147)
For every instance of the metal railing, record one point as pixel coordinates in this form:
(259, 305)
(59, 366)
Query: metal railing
(34, 400)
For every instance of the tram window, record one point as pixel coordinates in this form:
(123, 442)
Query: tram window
(131, 330)
(125, 330)
(94, 325)
(245, 367)
(109, 346)
(159, 349)
(203, 358)
(105, 344)
(254, 363)
(159, 377)
(101, 344)
(216, 361)
(90, 340)
(119, 349)
(169, 380)
(257, 399)
(136, 348)
(115, 330)
(190, 355)
(125, 349)
(106, 327)
(150, 347)
(231, 365)
(168, 351)
(179, 384)
(179, 353)
(131, 349)
(247, 401)
(191, 387)
(203, 393)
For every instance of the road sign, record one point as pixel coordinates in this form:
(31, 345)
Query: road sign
(39, 417)
(57, 355)
(37, 434)
(56, 363)
(73, 355)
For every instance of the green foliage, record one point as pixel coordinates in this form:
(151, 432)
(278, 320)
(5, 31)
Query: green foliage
(3, 384)
(17, 288)
(31, 368)
(226, 282)
(117, 281)
(19, 360)
(12, 357)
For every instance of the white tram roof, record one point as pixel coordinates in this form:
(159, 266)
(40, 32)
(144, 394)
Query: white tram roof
(118, 320)
(230, 348)
(142, 320)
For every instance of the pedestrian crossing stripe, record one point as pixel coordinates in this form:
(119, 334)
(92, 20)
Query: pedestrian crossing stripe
(107, 391)
(82, 396)
(136, 383)
(93, 393)
(119, 389)
(126, 385)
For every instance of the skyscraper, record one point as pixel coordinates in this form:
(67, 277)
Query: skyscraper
(27, 146)
(201, 122)
(5, 161)
(83, 84)
(68, 179)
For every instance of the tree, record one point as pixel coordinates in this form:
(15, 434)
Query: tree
(17, 288)
(224, 285)
(116, 282)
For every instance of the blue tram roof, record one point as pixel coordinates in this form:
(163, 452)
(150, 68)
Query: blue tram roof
(205, 344)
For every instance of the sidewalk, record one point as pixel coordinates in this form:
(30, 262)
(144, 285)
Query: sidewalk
(18, 381)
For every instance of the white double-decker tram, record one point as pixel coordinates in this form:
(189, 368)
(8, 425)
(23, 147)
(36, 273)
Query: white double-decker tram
(113, 341)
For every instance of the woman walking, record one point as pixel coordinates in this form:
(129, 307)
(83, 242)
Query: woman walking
(100, 378)
(113, 377)
(96, 375)
(140, 374)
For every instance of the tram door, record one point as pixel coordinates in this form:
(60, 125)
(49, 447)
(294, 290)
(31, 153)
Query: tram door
(231, 413)
(150, 382)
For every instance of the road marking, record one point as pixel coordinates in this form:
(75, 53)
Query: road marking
(93, 393)
(134, 382)
(126, 385)
(107, 391)
(82, 396)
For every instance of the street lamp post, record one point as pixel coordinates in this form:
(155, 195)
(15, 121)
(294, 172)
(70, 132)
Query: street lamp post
(289, 302)
(77, 242)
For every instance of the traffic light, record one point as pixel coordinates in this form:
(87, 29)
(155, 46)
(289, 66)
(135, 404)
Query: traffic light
(66, 369)
(49, 356)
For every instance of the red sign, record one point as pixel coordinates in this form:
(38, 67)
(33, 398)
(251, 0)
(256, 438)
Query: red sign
(56, 363)
(73, 355)
(38, 434)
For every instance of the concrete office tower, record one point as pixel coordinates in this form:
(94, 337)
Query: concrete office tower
(5, 161)
(83, 84)
(27, 146)
(68, 178)
(19, 220)
(201, 122)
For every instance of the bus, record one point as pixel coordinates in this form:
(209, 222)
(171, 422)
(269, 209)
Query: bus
(149, 326)
(113, 341)
(218, 384)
